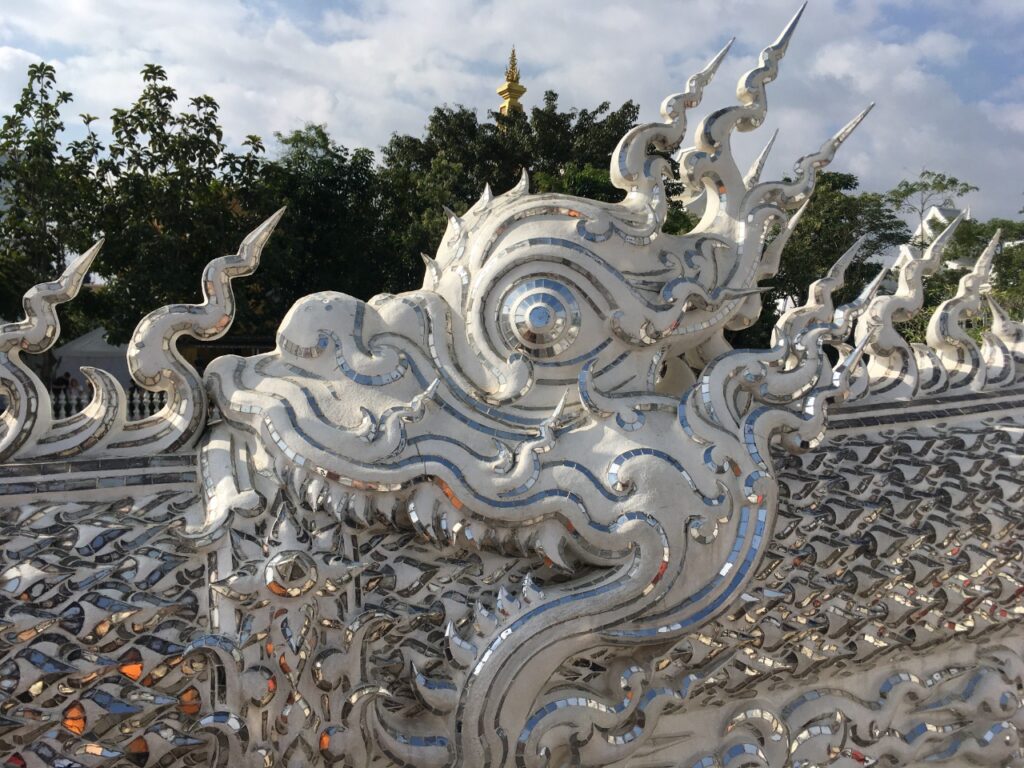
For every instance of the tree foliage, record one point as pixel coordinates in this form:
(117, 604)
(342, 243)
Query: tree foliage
(171, 196)
(564, 151)
(332, 236)
(165, 190)
(928, 189)
(47, 193)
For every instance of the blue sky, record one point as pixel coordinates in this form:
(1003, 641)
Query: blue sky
(948, 75)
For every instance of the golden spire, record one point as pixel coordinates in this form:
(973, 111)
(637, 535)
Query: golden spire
(512, 70)
(511, 91)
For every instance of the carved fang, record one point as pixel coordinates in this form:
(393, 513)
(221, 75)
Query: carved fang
(461, 653)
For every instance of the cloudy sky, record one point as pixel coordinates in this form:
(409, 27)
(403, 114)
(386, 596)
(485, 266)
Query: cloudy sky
(948, 75)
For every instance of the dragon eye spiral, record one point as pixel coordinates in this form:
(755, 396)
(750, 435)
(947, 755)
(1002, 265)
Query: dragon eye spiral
(540, 315)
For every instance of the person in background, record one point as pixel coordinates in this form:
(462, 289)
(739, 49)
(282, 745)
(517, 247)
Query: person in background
(62, 382)
(74, 389)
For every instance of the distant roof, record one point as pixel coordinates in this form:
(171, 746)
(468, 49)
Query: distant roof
(92, 343)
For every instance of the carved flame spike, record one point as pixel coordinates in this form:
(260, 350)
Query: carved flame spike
(788, 194)
(754, 174)
(27, 416)
(522, 187)
(709, 164)
(155, 363)
(485, 199)
(636, 172)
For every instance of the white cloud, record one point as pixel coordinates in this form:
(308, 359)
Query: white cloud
(376, 68)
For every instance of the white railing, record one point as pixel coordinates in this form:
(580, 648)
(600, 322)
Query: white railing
(141, 404)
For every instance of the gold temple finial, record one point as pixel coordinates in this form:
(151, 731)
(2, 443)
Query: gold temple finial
(511, 91)
(512, 70)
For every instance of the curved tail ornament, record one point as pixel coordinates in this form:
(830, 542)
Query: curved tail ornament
(959, 353)
(28, 413)
(27, 428)
(156, 364)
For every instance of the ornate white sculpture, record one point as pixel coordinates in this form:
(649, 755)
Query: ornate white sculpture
(535, 513)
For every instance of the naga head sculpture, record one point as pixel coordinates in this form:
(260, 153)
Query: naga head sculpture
(530, 460)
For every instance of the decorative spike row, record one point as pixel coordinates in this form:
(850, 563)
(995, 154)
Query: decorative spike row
(711, 156)
(27, 429)
(952, 360)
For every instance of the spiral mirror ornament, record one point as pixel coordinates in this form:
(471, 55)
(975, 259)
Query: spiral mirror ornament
(540, 316)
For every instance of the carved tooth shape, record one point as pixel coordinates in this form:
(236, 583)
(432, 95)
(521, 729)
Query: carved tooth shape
(461, 652)
(437, 694)
(441, 526)
(470, 535)
(338, 503)
(314, 493)
(485, 621)
(530, 591)
(359, 508)
(387, 506)
(420, 509)
(507, 603)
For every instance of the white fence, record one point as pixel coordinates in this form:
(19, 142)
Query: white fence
(140, 403)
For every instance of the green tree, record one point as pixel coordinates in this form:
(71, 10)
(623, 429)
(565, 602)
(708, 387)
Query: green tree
(564, 151)
(172, 199)
(928, 189)
(570, 151)
(47, 190)
(331, 237)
